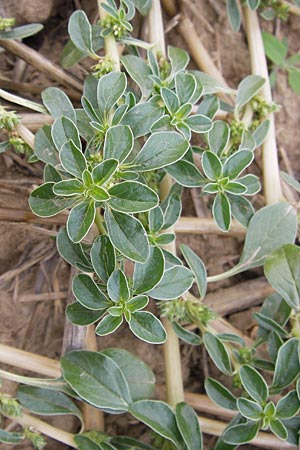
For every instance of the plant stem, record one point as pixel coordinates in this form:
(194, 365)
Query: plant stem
(44, 428)
(26, 135)
(271, 174)
(111, 47)
(29, 361)
(174, 383)
(292, 8)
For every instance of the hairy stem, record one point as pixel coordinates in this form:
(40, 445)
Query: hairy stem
(271, 174)
(174, 384)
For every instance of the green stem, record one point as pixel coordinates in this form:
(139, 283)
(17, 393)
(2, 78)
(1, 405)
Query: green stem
(174, 383)
(271, 174)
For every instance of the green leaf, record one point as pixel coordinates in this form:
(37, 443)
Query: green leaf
(253, 4)
(218, 353)
(98, 194)
(51, 174)
(172, 210)
(128, 235)
(277, 427)
(287, 367)
(80, 31)
(159, 417)
(44, 203)
(164, 239)
(97, 379)
(90, 110)
(118, 142)
(161, 149)
(10, 438)
(261, 133)
(63, 130)
(156, 219)
(68, 188)
(270, 228)
(275, 49)
(179, 58)
(174, 283)
(137, 303)
(132, 197)
(72, 253)
(147, 275)
(210, 85)
(290, 181)
(288, 406)
(22, 32)
(147, 327)
(197, 267)
(79, 315)
(242, 433)
(185, 335)
(282, 270)
(128, 443)
(170, 100)
(235, 188)
(199, 123)
(236, 163)
(294, 79)
(218, 137)
(269, 324)
(141, 117)
(140, 72)
(251, 182)
(110, 88)
(139, 376)
(80, 220)
(185, 85)
(185, 173)
(117, 287)
(89, 441)
(58, 103)
(104, 171)
(46, 402)
(108, 325)
(44, 147)
(249, 409)
(212, 165)
(103, 257)
(248, 88)
(188, 425)
(220, 394)
(209, 107)
(222, 211)
(292, 426)
(241, 209)
(233, 14)
(88, 294)
(254, 384)
(72, 159)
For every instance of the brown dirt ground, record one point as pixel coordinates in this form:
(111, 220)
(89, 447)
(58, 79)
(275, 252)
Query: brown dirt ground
(38, 326)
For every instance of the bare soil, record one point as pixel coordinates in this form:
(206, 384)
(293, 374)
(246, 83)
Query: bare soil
(39, 326)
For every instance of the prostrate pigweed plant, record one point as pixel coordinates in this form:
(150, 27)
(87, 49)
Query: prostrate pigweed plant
(104, 165)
